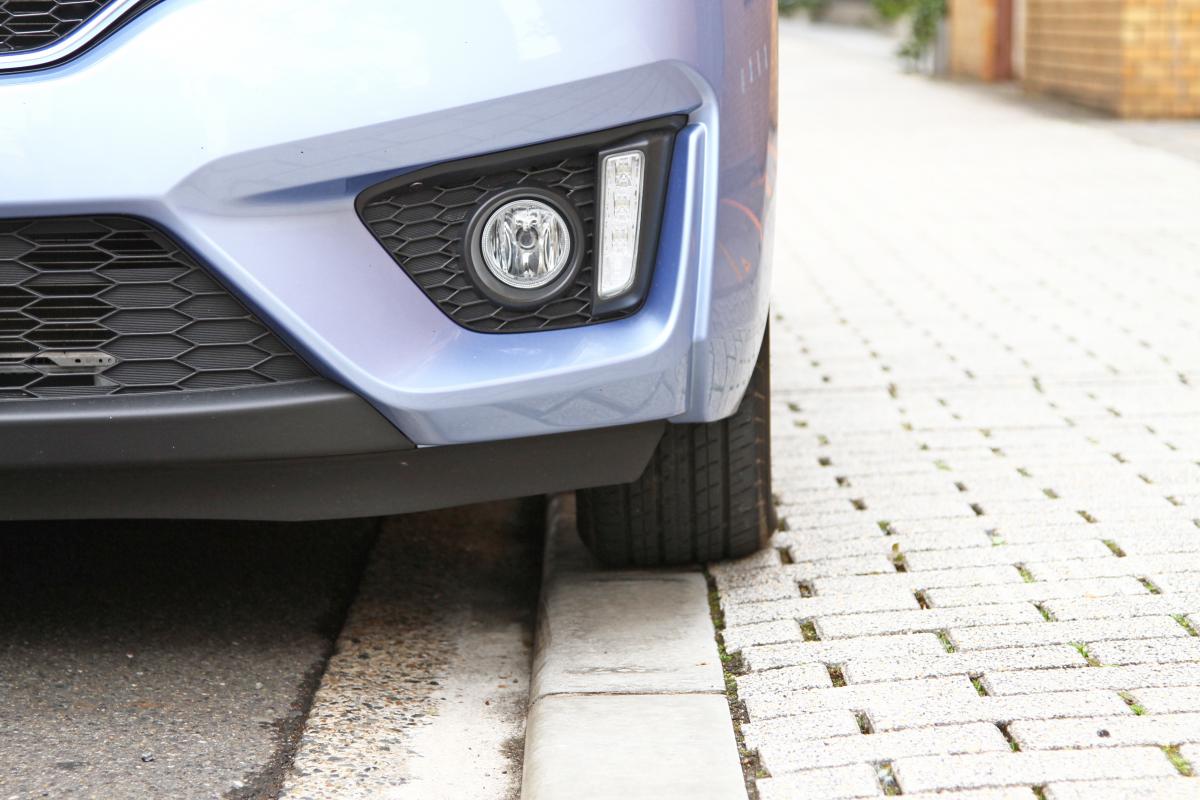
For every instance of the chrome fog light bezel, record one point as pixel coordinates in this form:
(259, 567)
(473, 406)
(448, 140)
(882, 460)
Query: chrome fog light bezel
(509, 293)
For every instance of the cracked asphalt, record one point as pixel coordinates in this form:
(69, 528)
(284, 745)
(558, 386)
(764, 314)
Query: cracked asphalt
(151, 659)
(179, 659)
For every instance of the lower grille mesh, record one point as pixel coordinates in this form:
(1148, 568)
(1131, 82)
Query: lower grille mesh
(111, 305)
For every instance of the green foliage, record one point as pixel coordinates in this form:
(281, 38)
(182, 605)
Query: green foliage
(925, 16)
(892, 10)
(814, 8)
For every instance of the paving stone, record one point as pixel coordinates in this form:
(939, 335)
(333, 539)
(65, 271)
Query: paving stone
(859, 529)
(1113, 567)
(896, 599)
(796, 519)
(1147, 651)
(762, 633)
(761, 560)
(1167, 788)
(909, 507)
(1045, 514)
(925, 619)
(808, 570)
(803, 548)
(991, 793)
(768, 696)
(1017, 534)
(788, 756)
(1021, 359)
(925, 773)
(912, 581)
(818, 504)
(811, 675)
(899, 667)
(965, 526)
(1089, 630)
(1116, 678)
(800, 727)
(1149, 729)
(771, 587)
(1051, 705)
(857, 780)
(1036, 592)
(1007, 554)
(1191, 754)
(1129, 606)
(1168, 700)
(1135, 542)
(1176, 582)
(917, 647)
(939, 540)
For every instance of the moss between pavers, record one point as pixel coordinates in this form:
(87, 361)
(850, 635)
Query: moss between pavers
(733, 665)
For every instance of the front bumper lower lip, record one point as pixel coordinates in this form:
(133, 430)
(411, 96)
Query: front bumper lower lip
(300, 451)
(302, 419)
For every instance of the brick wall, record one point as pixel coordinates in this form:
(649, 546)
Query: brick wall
(1130, 57)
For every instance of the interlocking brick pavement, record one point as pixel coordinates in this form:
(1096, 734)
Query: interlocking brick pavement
(986, 355)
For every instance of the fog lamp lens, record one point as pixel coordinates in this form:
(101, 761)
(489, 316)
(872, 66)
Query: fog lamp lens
(620, 214)
(525, 243)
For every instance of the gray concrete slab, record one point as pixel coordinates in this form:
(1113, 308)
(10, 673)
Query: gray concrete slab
(621, 631)
(631, 747)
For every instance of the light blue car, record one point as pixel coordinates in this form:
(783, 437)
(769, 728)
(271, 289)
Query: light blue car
(293, 259)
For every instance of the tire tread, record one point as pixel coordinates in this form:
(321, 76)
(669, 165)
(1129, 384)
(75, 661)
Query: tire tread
(704, 496)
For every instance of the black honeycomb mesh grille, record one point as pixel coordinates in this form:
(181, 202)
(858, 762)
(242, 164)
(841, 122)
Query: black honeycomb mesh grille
(30, 24)
(422, 226)
(111, 305)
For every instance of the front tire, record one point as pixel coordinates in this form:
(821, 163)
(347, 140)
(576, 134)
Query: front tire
(704, 496)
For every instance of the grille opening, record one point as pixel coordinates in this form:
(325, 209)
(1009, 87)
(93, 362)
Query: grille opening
(30, 24)
(111, 305)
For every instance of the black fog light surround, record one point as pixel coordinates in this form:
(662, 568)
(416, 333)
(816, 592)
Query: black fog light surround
(524, 246)
(550, 236)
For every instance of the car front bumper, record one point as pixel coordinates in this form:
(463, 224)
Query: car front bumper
(248, 129)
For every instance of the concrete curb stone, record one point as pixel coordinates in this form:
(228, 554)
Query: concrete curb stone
(627, 698)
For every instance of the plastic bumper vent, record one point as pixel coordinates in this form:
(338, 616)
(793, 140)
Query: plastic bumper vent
(111, 305)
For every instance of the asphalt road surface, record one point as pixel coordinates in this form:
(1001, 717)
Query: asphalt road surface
(179, 659)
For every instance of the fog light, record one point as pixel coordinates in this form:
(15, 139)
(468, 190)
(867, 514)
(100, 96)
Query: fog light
(620, 215)
(525, 243)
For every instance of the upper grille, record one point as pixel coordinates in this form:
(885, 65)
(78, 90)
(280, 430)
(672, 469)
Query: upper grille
(422, 226)
(30, 24)
(111, 305)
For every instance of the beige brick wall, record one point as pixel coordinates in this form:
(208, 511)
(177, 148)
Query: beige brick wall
(1130, 57)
